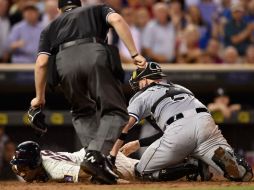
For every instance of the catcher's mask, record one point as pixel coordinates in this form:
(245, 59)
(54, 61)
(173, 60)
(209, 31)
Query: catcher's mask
(152, 71)
(27, 154)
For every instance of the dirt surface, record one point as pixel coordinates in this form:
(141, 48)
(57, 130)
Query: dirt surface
(134, 186)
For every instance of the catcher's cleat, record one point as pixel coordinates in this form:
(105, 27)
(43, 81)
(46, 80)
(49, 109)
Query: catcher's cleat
(242, 163)
(231, 168)
(96, 165)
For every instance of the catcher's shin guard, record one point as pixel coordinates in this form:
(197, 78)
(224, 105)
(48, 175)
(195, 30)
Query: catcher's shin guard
(235, 169)
(96, 165)
(169, 174)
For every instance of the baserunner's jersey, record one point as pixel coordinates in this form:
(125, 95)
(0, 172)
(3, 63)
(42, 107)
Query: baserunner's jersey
(65, 167)
(142, 102)
(62, 166)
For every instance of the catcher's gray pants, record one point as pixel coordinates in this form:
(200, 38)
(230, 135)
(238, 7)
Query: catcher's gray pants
(196, 135)
(96, 97)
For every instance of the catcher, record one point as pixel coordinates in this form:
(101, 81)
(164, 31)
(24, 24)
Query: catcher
(186, 125)
(34, 164)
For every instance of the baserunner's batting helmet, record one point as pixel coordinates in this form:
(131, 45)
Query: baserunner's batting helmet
(27, 154)
(152, 71)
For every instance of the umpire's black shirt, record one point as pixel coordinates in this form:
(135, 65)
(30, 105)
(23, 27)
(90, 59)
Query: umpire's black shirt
(82, 22)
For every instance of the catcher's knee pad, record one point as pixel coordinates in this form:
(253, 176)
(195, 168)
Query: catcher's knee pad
(234, 167)
(169, 174)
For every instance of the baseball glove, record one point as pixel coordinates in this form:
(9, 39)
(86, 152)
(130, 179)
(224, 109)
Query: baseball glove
(37, 120)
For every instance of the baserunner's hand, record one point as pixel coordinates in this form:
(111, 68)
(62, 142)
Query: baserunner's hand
(130, 147)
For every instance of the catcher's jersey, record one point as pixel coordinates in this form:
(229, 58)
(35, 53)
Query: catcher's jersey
(62, 166)
(140, 105)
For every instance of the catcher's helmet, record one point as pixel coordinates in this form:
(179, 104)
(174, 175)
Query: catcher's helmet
(27, 154)
(152, 71)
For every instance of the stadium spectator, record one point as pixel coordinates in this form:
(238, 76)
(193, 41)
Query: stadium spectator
(250, 55)
(249, 17)
(222, 104)
(16, 11)
(3, 139)
(231, 55)
(6, 173)
(208, 9)
(115, 4)
(90, 2)
(188, 47)
(192, 2)
(4, 27)
(24, 38)
(194, 17)
(225, 9)
(204, 58)
(158, 39)
(177, 15)
(142, 18)
(51, 12)
(129, 16)
(213, 49)
(237, 31)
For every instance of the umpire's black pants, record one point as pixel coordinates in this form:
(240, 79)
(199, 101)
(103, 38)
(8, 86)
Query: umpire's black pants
(98, 104)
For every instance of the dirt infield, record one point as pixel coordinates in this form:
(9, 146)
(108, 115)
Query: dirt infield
(135, 186)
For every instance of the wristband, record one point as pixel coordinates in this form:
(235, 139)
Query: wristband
(123, 136)
(135, 55)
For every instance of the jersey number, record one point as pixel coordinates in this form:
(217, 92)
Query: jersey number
(55, 155)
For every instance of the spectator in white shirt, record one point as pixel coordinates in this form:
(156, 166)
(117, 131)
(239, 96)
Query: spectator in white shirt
(158, 40)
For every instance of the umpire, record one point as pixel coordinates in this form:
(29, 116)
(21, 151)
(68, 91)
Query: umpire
(88, 77)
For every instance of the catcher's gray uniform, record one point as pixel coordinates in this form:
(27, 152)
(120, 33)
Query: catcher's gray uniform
(195, 134)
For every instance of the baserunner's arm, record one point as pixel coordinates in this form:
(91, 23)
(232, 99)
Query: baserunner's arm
(119, 142)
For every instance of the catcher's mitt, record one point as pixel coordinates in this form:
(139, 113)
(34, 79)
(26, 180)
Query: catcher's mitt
(37, 120)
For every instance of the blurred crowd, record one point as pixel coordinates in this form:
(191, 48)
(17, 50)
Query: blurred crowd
(166, 31)
(7, 150)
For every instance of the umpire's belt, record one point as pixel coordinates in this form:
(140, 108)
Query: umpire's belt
(80, 41)
(181, 115)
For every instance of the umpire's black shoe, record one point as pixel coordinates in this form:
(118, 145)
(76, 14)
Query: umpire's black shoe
(96, 165)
